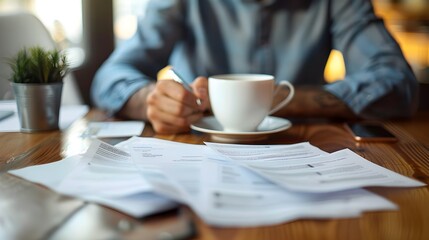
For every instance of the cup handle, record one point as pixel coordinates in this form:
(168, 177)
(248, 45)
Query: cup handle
(287, 99)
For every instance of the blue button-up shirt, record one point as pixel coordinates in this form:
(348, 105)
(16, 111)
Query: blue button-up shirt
(290, 39)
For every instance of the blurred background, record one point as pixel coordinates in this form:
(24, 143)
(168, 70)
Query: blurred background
(88, 30)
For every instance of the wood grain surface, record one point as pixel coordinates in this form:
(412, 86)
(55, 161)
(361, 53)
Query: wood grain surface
(408, 156)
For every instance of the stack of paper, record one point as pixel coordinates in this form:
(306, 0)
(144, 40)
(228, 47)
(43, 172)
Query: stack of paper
(105, 175)
(249, 185)
(227, 184)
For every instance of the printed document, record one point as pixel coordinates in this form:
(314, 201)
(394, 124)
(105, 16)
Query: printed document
(104, 174)
(295, 170)
(225, 184)
(224, 193)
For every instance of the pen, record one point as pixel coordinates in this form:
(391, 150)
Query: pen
(177, 78)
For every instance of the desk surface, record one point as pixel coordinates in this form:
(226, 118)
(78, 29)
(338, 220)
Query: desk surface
(409, 156)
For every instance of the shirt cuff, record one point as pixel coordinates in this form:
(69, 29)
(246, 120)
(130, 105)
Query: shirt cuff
(358, 95)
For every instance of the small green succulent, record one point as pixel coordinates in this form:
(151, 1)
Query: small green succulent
(37, 65)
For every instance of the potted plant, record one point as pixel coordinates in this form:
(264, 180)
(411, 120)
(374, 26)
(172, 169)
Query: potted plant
(37, 81)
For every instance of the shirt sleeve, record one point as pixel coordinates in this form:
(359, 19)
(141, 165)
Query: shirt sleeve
(137, 61)
(379, 82)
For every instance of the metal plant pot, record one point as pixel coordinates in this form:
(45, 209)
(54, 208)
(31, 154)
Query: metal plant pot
(38, 105)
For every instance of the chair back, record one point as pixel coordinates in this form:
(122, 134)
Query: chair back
(23, 29)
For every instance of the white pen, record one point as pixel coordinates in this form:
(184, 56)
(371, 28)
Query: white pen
(176, 77)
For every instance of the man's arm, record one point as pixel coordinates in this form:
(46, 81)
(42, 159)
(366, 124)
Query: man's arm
(136, 106)
(379, 82)
(313, 102)
(136, 62)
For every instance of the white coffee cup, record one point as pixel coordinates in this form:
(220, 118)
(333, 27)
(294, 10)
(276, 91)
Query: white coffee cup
(240, 102)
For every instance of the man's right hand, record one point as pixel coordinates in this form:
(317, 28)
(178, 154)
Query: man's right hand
(171, 108)
(168, 106)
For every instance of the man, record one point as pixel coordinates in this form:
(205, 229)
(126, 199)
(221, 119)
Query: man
(290, 39)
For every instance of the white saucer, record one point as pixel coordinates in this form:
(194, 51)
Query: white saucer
(269, 126)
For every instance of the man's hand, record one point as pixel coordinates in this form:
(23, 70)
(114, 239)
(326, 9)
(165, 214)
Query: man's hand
(171, 108)
(313, 102)
(168, 106)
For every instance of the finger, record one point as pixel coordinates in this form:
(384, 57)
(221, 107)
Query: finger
(169, 125)
(166, 123)
(163, 128)
(200, 82)
(200, 88)
(162, 100)
(173, 107)
(177, 92)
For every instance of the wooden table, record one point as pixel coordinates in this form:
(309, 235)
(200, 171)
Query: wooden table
(409, 156)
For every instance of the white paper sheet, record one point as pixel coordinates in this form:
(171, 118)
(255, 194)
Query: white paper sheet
(296, 170)
(68, 114)
(225, 194)
(234, 196)
(104, 171)
(154, 156)
(102, 175)
(114, 129)
(223, 189)
(49, 174)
